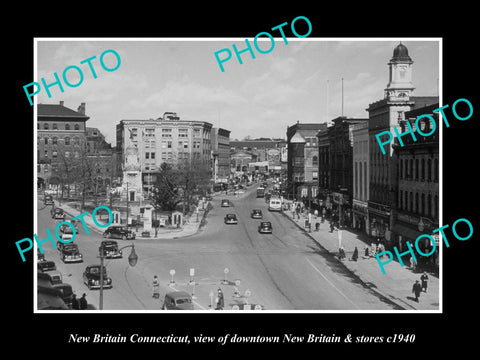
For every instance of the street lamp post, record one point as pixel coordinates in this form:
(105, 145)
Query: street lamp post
(132, 260)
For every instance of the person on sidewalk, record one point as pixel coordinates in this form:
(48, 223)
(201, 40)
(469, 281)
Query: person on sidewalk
(355, 254)
(341, 253)
(366, 252)
(156, 286)
(424, 279)
(417, 289)
(82, 302)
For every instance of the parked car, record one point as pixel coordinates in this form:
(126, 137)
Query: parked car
(91, 277)
(225, 203)
(265, 227)
(70, 253)
(67, 293)
(46, 265)
(55, 277)
(48, 200)
(57, 213)
(230, 219)
(256, 214)
(119, 232)
(177, 300)
(110, 249)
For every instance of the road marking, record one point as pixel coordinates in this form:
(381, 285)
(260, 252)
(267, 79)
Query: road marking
(341, 293)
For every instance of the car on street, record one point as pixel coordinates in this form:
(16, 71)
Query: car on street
(48, 200)
(256, 214)
(70, 253)
(265, 227)
(57, 213)
(55, 277)
(177, 300)
(109, 249)
(91, 277)
(67, 293)
(225, 203)
(119, 232)
(66, 232)
(230, 219)
(46, 265)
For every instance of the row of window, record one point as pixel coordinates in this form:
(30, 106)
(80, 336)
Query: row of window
(419, 169)
(67, 126)
(66, 140)
(418, 203)
(166, 133)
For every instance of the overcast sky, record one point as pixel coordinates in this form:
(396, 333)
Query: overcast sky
(260, 97)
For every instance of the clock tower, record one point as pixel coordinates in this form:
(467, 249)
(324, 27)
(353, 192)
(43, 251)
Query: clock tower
(400, 84)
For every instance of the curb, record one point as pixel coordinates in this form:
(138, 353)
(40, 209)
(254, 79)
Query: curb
(379, 293)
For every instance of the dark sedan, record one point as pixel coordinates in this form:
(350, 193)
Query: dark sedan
(119, 232)
(265, 227)
(256, 214)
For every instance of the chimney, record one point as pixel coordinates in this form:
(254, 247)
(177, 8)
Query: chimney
(81, 108)
(61, 102)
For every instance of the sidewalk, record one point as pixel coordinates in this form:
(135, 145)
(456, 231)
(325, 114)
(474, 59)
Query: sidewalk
(191, 226)
(395, 285)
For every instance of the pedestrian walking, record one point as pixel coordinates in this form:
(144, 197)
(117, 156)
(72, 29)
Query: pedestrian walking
(82, 302)
(413, 264)
(156, 287)
(417, 289)
(341, 253)
(424, 279)
(75, 304)
(366, 252)
(220, 300)
(373, 249)
(355, 254)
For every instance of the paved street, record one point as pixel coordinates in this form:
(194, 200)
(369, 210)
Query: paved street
(286, 270)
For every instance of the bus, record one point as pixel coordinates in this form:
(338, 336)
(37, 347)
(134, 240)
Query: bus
(260, 192)
(275, 204)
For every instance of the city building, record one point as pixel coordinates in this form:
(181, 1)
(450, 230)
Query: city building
(240, 161)
(302, 164)
(361, 168)
(61, 135)
(268, 154)
(416, 209)
(167, 139)
(220, 155)
(385, 115)
(102, 157)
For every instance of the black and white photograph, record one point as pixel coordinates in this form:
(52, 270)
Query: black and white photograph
(194, 182)
(259, 187)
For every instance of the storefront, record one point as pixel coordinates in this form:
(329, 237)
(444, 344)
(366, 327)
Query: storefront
(379, 222)
(360, 215)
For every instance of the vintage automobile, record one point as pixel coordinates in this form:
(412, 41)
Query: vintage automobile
(109, 249)
(57, 213)
(70, 253)
(67, 293)
(66, 232)
(55, 277)
(46, 265)
(177, 300)
(225, 203)
(48, 199)
(256, 214)
(230, 219)
(119, 232)
(91, 277)
(265, 227)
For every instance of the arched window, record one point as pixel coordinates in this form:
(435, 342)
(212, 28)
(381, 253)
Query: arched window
(45, 126)
(77, 127)
(67, 126)
(67, 141)
(54, 126)
(423, 169)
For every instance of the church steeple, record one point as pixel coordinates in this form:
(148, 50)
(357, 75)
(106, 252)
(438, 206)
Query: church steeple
(400, 84)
